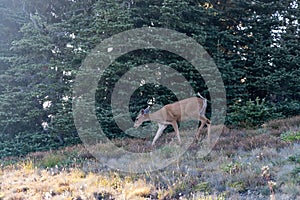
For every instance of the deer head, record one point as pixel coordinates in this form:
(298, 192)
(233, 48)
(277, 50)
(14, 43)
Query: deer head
(142, 117)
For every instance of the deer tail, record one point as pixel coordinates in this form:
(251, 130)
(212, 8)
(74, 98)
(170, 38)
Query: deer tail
(203, 109)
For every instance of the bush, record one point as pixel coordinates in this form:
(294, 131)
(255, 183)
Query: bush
(290, 136)
(52, 161)
(251, 114)
(288, 108)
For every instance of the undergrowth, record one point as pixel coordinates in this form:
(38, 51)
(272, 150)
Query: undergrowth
(244, 164)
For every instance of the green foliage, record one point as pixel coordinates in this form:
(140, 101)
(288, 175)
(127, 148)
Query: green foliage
(43, 45)
(251, 114)
(290, 136)
(296, 174)
(26, 142)
(295, 158)
(203, 187)
(232, 168)
(51, 161)
(288, 108)
(239, 186)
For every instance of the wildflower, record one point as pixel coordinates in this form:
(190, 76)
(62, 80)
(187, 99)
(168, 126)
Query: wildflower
(272, 183)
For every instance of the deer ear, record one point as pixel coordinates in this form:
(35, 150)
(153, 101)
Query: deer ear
(142, 111)
(147, 110)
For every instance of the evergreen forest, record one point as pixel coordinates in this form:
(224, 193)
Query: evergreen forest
(254, 44)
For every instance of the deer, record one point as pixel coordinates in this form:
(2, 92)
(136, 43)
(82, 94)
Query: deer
(171, 114)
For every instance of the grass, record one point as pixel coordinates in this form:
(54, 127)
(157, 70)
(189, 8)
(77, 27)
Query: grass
(244, 164)
(290, 136)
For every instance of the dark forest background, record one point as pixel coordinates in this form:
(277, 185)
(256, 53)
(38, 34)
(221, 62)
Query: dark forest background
(255, 45)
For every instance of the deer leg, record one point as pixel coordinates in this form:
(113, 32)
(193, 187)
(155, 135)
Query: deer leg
(175, 126)
(208, 124)
(204, 121)
(161, 128)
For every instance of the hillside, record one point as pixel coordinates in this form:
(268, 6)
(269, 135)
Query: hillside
(244, 164)
(76, 72)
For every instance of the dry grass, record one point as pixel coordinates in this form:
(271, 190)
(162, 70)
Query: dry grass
(234, 140)
(139, 189)
(232, 170)
(284, 123)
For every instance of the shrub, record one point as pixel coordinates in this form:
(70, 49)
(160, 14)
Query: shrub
(290, 136)
(51, 161)
(251, 114)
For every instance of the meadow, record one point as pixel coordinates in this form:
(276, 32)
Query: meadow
(262, 163)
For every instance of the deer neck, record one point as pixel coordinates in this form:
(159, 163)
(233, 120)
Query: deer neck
(156, 116)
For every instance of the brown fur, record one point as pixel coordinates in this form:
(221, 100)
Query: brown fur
(191, 108)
